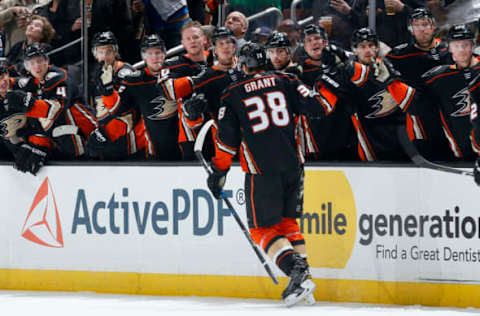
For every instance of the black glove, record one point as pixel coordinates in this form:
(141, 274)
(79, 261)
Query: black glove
(19, 100)
(333, 55)
(104, 79)
(194, 107)
(476, 172)
(29, 158)
(384, 72)
(216, 181)
(97, 142)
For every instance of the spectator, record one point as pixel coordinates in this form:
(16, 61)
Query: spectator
(39, 30)
(294, 32)
(238, 24)
(251, 7)
(261, 34)
(166, 18)
(392, 26)
(112, 15)
(14, 16)
(346, 16)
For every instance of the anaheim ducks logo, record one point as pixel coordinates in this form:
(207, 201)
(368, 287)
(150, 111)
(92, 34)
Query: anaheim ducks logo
(10, 125)
(164, 108)
(463, 103)
(384, 104)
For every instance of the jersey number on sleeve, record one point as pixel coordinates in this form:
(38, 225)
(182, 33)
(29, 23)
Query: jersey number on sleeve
(278, 110)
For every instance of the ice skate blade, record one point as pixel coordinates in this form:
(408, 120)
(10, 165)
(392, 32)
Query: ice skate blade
(308, 287)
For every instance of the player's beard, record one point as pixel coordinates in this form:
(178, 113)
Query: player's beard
(227, 62)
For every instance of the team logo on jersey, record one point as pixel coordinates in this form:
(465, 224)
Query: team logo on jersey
(463, 103)
(11, 124)
(42, 225)
(384, 104)
(329, 218)
(164, 108)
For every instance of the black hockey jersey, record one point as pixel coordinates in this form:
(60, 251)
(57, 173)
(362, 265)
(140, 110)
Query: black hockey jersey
(446, 89)
(258, 118)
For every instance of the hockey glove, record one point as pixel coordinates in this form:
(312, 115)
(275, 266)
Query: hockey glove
(333, 55)
(105, 80)
(194, 107)
(476, 172)
(19, 100)
(384, 72)
(216, 181)
(29, 158)
(97, 142)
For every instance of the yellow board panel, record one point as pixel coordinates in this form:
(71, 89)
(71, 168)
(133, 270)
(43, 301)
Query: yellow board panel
(402, 293)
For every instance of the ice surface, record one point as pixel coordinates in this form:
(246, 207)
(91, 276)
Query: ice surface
(19, 303)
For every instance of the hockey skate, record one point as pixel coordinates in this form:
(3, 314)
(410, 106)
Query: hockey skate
(300, 287)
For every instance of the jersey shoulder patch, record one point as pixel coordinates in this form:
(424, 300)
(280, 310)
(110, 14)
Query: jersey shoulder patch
(127, 72)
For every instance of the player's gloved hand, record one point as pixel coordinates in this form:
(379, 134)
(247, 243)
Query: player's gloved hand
(194, 107)
(97, 142)
(476, 172)
(216, 181)
(333, 55)
(384, 72)
(19, 100)
(105, 79)
(29, 158)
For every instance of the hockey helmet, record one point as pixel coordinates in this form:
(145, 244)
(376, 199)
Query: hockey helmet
(278, 40)
(104, 39)
(460, 32)
(253, 55)
(420, 13)
(152, 41)
(364, 35)
(223, 32)
(315, 29)
(35, 50)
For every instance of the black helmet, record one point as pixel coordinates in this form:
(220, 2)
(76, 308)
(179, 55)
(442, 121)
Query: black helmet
(223, 32)
(364, 35)
(34, 50)
(315, 29)
(104, 39)
(278, 40)
(420, 13)
(460, 32)
(152, 41)
(253, 55)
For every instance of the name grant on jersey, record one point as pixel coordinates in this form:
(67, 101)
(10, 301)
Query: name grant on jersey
(259, 84)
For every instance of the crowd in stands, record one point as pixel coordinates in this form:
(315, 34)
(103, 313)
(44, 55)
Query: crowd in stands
(155, 111)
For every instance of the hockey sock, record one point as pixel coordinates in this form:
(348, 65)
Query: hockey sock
(285, 258)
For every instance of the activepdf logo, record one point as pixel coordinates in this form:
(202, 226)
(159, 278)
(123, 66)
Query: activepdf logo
(42, 225)
(329, 218)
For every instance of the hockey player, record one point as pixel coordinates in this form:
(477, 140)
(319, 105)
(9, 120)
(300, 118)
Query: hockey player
(120, 124)
(376, 117)
(412, 60)
(256, 118)
(155, 98)
(278, 53)
(196, 60)
(208, 85)
(20, 135)
(47, 95)
(446, 89)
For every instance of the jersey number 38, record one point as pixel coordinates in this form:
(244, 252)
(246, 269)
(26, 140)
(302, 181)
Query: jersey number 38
(272, 107)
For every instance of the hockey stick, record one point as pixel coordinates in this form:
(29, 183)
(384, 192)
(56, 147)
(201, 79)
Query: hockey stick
(198, 152)
(419, 160)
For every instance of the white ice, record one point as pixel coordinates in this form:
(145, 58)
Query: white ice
(19, 303)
